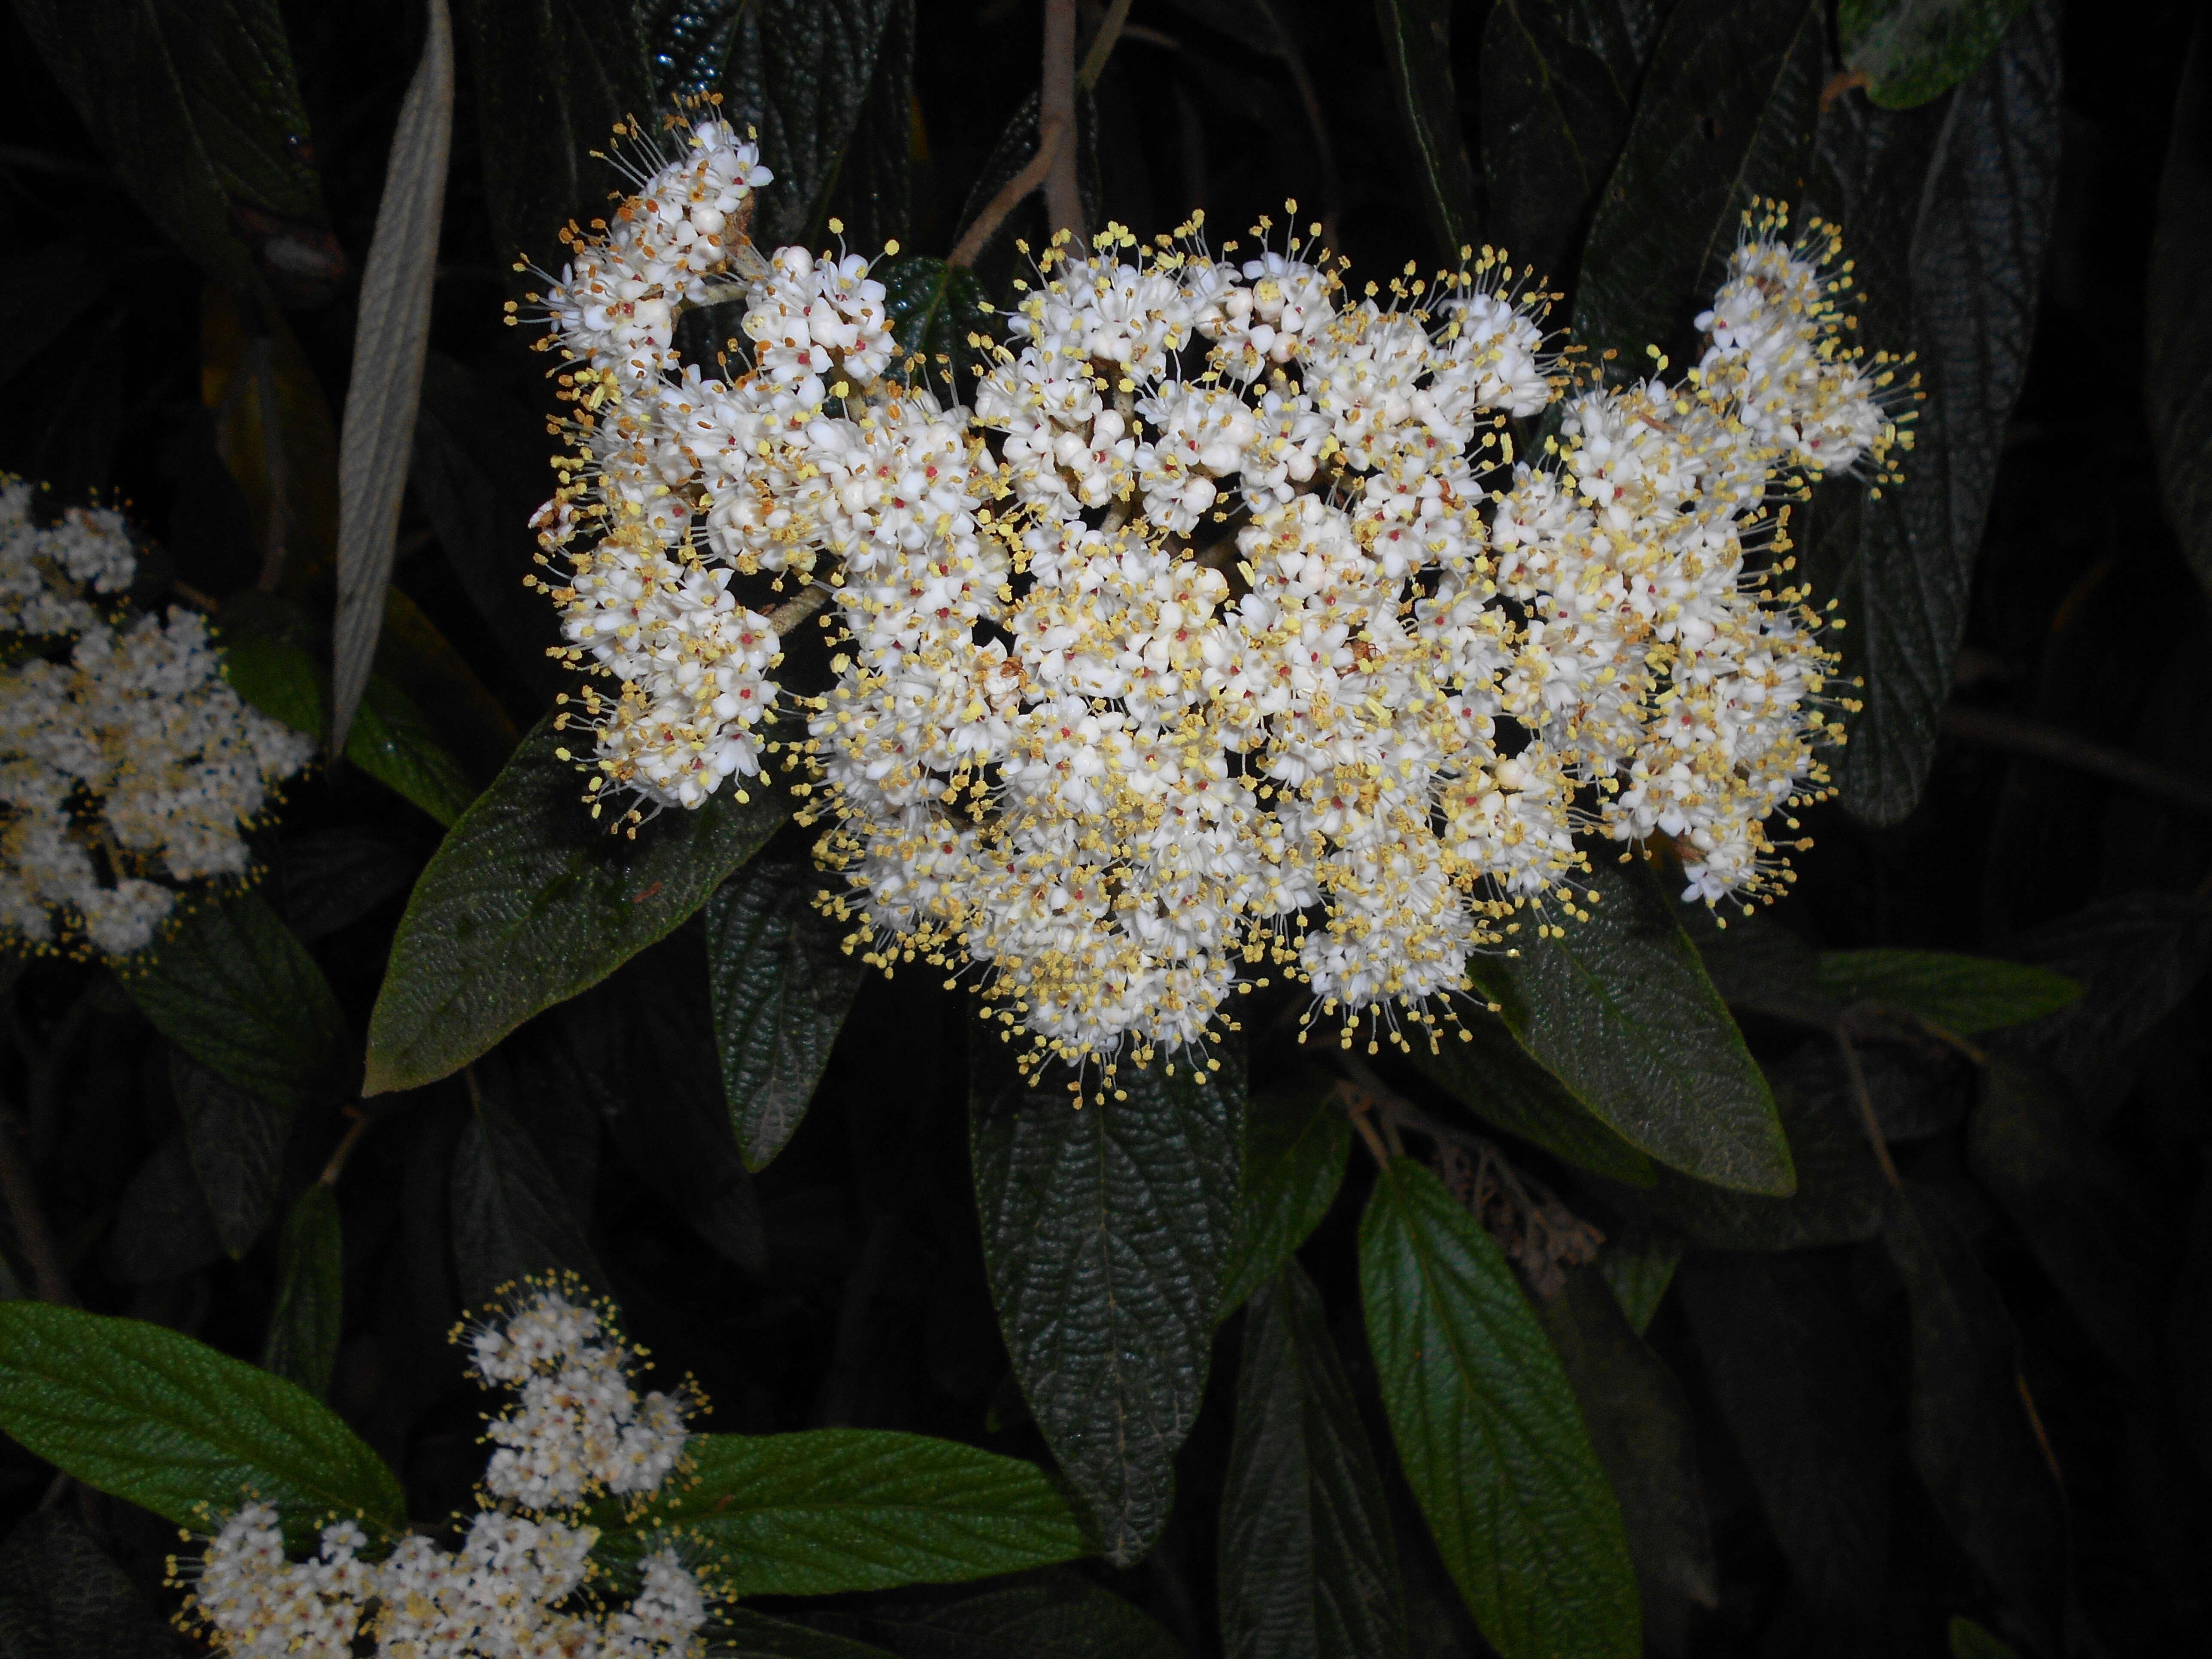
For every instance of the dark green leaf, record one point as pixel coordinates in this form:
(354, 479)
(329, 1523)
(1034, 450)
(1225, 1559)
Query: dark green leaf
(1639, 1424)
(663, 1100)
(1949, 211)
(552, 77)
(835, 1510)
(1417, 53)
(1839, 1185)
(2178, 346)
(1756, 963)
(389, 739)
(1968, 995)
(1013, 150)
(62, 1598)
(236, 1141)
(1638, 1262)
(511, 1220)
(152, 1416)
(162, 1227)
(1553, 118)
(1491, 1075)
(303, 1330)
(237, 991)
(1063, 1616)
(935, 310)
(1309, 1567)
(1621, 1012)
(198, 108)
(529, 900)
(781, 985)
(801, 71)
(1911, 50)
(1725, 118)
(479, 474)
(1106, 1229)
(1973, 1443)
(2138, 956)
(741, 1633)
(1782, 1343)
(1296, 1140)
(874, 193)
(2087, 1217)
(321, 880)
(1969, 1641)
(1486, 1427)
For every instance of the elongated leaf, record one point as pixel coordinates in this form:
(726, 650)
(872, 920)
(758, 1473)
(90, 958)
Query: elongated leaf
(198, 109)
(1417, 51)
(1725, 117)
(1971, 1440)
(1969, 994)
(511, 1220)
(1107, 1228)
(237, 991)
(236, 1141)
(1839, 1193)
(741, 1633)
(781, 986)
(1493, 1076)
(2178, 344)
(1784, 1348)
(1487, 1427)
(1621, 1012)
(478, 474)
(1297, 1138)
(1639, 1425)
(162, 1227)
(1639, 1264)
(660, 1094)
(1968, 191)
(551, 79)
(529, 900)
(150, 1415)
(2088, 1217)
(1911, 50)
(874, 196)
(1309, 1567)
(800, 70)
(835, 1510)
(1062, 1616)
(302, 1345)
(60, 1596)
(390, 338)
(274, 431)
(1554, 118)
(390, 740)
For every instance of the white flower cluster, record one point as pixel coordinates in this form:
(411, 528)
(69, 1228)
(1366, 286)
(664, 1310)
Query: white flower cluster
(127, 764)
(664, 457)
(1227, 629)
(510, 1591)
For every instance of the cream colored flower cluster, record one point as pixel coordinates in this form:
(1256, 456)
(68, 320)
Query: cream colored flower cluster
(513, 1588)
(127, 764)
(1229, 631)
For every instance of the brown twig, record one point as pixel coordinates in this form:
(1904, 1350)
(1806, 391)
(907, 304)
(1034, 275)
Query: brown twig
(1101, 45)
(1053, 167)
(1992, 729)
(362, 1121)
(792, 612)
(1864, 1097)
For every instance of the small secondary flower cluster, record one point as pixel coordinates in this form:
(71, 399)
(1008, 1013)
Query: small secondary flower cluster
(1227, 629)
(579, 1430)
(125, 766)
